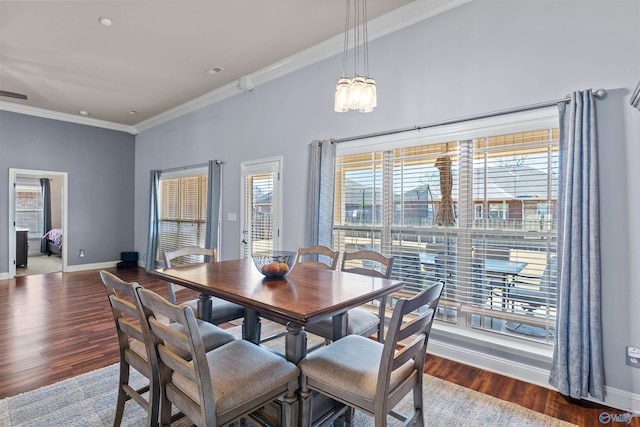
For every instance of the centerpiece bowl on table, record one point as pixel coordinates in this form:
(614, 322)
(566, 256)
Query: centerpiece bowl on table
(274, 264)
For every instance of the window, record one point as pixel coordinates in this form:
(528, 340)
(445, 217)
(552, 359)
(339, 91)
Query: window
(261, 206)
(475, 205)
(29, 209)
(182, 205)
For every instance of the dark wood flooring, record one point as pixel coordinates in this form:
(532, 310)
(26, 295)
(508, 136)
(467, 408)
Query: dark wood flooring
(56, 326)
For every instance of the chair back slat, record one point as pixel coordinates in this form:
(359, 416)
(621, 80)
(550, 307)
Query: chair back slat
(128, 314)
(407, 352)
(415, 326)
(368, 263)
(318, 256)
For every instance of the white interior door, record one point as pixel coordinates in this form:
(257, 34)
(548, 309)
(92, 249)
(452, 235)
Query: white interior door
(261, 206)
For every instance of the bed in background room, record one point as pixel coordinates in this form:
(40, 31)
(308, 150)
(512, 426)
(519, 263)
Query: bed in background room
(54, 241)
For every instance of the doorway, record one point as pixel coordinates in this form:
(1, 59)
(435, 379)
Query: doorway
(27, 254)
(261, 206)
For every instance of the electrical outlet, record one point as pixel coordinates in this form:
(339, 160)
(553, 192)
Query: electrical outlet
(633, 357)
(81, 254)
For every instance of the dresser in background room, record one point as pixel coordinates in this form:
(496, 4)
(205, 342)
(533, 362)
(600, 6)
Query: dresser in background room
(22, 246)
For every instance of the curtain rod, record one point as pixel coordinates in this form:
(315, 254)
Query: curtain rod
(599, 94)
(184, 168)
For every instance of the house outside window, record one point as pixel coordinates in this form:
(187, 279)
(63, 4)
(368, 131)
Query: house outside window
(389, 192)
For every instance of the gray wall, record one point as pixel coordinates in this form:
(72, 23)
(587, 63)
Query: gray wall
(484, 56)
(100, 190)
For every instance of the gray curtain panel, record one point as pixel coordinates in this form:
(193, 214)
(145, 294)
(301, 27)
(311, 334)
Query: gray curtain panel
(635, 97)
(46, 212)
(152, 242)
(214, 189)
(577, 367)
(321, 185)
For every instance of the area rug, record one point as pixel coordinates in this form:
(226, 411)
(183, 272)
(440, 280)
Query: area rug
(89, 400)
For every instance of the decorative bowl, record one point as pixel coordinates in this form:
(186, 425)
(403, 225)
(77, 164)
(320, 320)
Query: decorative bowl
(274, 264)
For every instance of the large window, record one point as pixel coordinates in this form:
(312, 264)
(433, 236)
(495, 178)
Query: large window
(182, 205)
(473, 205)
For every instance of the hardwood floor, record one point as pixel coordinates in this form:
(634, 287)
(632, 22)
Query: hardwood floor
(56, 326)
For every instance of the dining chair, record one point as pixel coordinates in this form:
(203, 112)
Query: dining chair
(218, 387)
(370, 376)
(222, 310)
(360, 321)
(318, 256)
(135, 348)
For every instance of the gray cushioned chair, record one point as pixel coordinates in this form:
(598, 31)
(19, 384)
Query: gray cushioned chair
(134, 351)
(221, 310)
(218, 387)
(360, 321)
(371, 376)
(318, 256)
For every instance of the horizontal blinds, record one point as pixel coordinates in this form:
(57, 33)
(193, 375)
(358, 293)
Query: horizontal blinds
(260, 191)
(29, 213)
(182, 213)
(480, 213)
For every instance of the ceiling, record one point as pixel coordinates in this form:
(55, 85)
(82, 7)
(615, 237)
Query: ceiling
(154, 56)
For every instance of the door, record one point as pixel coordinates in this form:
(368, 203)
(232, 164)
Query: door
(261, 206)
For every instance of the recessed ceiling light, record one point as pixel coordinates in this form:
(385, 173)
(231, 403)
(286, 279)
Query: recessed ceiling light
(134, 112)
(105, 21)
(214, 70)
(83, 113)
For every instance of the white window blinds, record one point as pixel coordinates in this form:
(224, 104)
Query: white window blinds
(29, 209)
(479, 212)
(182, 212)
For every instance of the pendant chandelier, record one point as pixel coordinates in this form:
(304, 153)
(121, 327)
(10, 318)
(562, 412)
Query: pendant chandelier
(357, 92)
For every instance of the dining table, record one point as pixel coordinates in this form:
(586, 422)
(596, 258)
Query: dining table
(305, 295)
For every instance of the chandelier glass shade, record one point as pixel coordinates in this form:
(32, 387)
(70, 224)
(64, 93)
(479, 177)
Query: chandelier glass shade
(357, 92)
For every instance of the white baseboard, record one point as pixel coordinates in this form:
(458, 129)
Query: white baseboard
(96, 266)
(79, 267)
(615, 398)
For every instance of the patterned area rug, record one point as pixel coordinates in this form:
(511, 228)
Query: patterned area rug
(89, 400)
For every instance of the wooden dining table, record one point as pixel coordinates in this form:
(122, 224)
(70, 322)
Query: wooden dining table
(305, 295)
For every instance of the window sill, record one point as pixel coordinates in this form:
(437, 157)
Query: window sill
(515, 358)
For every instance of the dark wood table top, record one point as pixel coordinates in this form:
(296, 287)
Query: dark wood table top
(303, 295)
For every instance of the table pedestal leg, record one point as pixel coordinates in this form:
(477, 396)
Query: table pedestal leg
(251, 326)
(295, 343)
(205, 307)
(340, 325)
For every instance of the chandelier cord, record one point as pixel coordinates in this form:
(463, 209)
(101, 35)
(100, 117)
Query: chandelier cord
(365, 39)
(346, 39)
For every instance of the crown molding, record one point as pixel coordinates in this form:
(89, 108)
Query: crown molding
(395, 20)
(65, 117)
